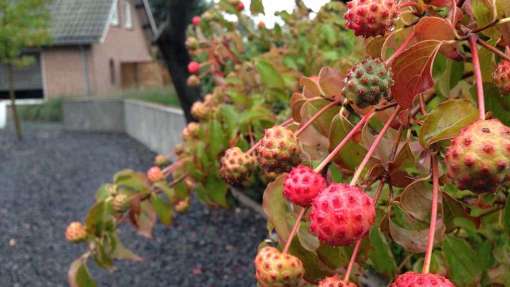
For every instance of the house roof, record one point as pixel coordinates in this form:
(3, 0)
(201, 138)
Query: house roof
(79, 21)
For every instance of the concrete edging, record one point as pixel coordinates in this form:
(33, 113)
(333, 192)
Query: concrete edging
(157, 127)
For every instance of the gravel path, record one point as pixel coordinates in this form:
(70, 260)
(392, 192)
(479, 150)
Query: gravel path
(50, 178)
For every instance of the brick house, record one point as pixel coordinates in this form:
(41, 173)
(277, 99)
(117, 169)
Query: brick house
(98, 47)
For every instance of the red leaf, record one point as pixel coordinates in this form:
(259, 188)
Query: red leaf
(412, 71)
(435, 28)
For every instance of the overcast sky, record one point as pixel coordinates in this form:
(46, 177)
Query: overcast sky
(272, 6)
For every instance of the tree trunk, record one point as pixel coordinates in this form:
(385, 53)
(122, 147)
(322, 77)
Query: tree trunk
(172, 44)
(12, 96)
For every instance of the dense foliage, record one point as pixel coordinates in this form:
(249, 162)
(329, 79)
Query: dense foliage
(387, 153)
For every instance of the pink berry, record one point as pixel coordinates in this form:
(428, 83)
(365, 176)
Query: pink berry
(335, 281)
(502, 76)
(370, 18)
(193, 68)
(342, 214)
(478, 159)
(302, 185)
(412, 279)
(196, 20)
(155, 174)
(240, 6)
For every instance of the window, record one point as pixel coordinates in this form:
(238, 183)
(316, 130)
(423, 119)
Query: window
(115, 14)
(128, 20)
(112, 71)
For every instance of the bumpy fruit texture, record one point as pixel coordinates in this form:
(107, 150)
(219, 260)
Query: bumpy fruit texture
(342, 214)
(155, 174)
(237, 166)
(335, 281)
(196, 20)
(367, 82)
(275, 269)
(76, 232)
(121, 203)
(368, 18)
(191, 131)
(412, 279)
(302, 185)
(279, 150)
(479, 158)
(502, 76)
(193, 68)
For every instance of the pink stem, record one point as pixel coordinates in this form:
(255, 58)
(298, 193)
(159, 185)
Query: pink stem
(315, 116)
(400, 49)
(355, 253)
(356, 250)
(453, 12)
(294, 230)
(374, 145)
(433, 214)
(408, 4)
(478, 75)
(344, 141)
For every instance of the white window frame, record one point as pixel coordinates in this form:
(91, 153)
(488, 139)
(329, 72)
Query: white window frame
(114, 15)
(128, 17)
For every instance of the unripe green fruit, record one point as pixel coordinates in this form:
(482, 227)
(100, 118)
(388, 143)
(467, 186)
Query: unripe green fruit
(275, 269)
(367, 83)
(237, 166)
(121, 203)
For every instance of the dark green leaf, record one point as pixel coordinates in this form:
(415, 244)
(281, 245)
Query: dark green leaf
(380, 253)
(163, 209)
(463, 262)
(78, 274)
(256, 7)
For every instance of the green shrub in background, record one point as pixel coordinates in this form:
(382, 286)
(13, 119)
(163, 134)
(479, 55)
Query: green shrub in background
(49, 111)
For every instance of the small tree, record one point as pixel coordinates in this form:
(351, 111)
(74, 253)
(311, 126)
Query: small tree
(23, 24)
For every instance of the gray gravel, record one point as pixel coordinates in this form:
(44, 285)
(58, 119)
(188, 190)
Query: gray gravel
(50, 179)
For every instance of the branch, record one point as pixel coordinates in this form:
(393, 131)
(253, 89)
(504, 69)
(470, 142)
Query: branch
(478, 75)
(294, 230)
(316, 115)
(493, 49)
(433, 214)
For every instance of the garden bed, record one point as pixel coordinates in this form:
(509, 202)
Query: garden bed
(47, 188)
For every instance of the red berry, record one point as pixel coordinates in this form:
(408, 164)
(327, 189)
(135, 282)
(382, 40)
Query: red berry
(478, 159)
(412, 279)
(335, 281)
(196, 20)
(302, 185)
(502, 76)
(193, 68)
(342, 214)
(155, 174)
(370, 18)
(275, 269)
(240, 6)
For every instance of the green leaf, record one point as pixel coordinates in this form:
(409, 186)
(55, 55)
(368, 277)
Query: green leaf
(216, 140)
(380, 253)
(352, 154)
(446, 121)
(217, 190)
(121, 252)
(78, 274)
(269, 75)
(277, 208)
(463, 262)
(99, 218)
(104, 191)
(132, 180)
(323, 122)
(256, 7)
(496, 103)
(163, 210)
(146, 219)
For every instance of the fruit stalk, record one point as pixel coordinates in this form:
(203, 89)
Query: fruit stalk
(374, 145)
(294, 230)
(316, 115)
(344, 141)
(478, 75)
(352, 260)
(433, 214)
(493, 49)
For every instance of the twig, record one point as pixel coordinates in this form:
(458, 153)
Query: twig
(352, 260)
(493, 49)
(374, 145)
(478, 75)
(400, 49)
(294, 230)
(344, 141)
(315, 116)
(433, 214)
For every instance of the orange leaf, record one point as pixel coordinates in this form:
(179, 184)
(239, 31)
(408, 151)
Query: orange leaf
(412, 71)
